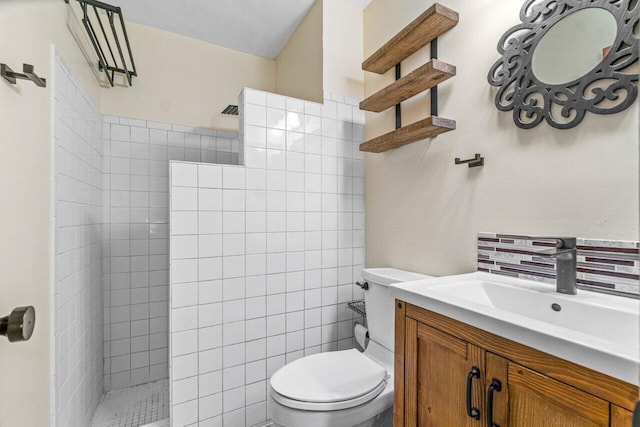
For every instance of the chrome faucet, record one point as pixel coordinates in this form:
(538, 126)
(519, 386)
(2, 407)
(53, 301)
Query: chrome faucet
(566, 262)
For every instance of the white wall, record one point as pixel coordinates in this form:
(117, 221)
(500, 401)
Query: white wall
(423, 212)
(29, 29)
(136, 241)
(342, 43)
(299, 64)
(78, 355)
(263, 257)
(185, 81)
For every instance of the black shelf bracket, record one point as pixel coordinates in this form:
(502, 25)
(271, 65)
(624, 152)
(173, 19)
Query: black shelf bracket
(28, 73)
(433, 92)
(96, 14)
(398, 108)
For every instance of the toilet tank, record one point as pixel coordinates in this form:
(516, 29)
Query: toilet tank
(379, 305)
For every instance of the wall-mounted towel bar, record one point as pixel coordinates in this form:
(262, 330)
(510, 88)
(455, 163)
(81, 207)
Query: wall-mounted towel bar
(28, 73)
(474, 162)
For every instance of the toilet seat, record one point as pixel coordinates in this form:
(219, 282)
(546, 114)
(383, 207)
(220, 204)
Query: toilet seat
(328, 381)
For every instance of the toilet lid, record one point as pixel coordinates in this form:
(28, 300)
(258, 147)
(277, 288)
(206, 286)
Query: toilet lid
(328, 377)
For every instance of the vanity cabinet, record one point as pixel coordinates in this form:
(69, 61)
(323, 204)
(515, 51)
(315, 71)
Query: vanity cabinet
(528, 398)
(620, 417)
(448, 373)
(439, 367)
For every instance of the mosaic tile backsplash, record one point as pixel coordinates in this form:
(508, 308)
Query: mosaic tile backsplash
(610, 266)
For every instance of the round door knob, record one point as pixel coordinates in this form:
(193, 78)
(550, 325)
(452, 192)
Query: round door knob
(19, 325)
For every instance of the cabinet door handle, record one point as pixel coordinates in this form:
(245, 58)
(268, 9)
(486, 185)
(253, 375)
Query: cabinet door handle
(472, 412)
(496, 385)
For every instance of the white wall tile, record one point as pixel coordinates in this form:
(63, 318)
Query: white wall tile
(256, 179)
(210, 361)
(209, 222)
(255, 115)
(209, 176)
(210, 383)
(255, 136)
(184, 270)
(275, 159)
(276, 239)
(233, 200)
(210, 407)
(233, 355)
(80, 208)
(276, 139)
(209, 338)
(184, 199)
(184, 223)
(185, 366)
(184, 175)
(255, 157)
(252, 96)
(276, 101)
(208, 268)
(185, 413)
(210, 245)
(207, 199)
(183, 247)
(233, 178)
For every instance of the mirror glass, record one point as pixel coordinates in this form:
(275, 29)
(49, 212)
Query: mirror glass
(574, 46)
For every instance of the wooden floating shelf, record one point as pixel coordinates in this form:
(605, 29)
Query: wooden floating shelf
(433, 22)
(427, 128)
(427, 76)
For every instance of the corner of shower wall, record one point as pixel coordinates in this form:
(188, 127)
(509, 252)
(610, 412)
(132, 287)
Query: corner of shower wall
(263, 258)
(77, 285)
(136, 264)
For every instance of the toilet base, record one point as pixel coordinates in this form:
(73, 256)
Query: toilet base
(384, 419)
(377, 413)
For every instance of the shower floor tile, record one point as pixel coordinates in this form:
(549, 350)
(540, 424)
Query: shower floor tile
(134, 406)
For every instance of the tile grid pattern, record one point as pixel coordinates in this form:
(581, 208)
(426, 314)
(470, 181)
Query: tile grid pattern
(263, 257)
(135, 239)
(603, 265)
(134, 406)
(77, 289)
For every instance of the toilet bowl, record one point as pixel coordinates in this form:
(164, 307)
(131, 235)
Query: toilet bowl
(344, 388)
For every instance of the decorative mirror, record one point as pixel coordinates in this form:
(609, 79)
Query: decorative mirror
(568, 57)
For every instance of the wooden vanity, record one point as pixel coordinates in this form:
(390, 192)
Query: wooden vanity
(451, 374)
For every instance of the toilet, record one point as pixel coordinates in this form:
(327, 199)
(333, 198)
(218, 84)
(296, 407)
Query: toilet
(344, 388)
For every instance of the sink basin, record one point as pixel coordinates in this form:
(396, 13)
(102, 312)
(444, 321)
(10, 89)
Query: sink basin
(595, 330)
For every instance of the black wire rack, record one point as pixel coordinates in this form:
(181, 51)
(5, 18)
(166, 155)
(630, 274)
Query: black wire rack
(111, 44)
(358, 307)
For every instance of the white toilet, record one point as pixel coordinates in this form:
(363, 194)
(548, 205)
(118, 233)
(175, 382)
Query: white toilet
(344, 388)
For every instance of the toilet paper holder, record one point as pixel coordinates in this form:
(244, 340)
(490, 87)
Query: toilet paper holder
(361, 335)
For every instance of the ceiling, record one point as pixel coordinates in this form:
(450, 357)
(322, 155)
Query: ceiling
(258, 27)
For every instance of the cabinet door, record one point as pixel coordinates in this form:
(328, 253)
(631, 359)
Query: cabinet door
(620, 417)
(530, 399)
(438, 374)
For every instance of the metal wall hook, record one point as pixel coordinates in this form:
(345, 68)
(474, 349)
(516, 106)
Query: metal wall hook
(28, 73)
(474, 162)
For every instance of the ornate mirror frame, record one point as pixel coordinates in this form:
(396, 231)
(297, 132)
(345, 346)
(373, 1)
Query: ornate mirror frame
(606, 89)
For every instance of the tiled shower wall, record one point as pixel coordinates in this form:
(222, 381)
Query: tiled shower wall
(609, 266)
(135, 240)
(263, 257)
(77, 289)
